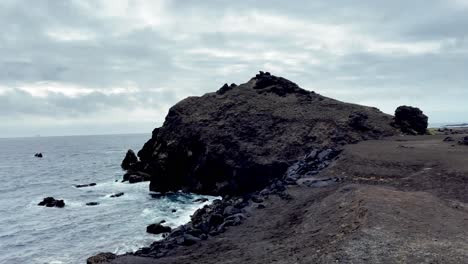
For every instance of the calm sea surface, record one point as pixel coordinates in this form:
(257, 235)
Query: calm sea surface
(35, 234)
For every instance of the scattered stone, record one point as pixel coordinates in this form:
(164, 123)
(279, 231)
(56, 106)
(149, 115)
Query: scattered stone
(51, 202)
(92, 203)
(188, 240)
(230, 210)
(85, 185)
(257, 199)
(174, 210)
(117, 195)
(449, 139)
(463, 141)
(410, 120)
(158, 229)
(261, 206)
(38, 155)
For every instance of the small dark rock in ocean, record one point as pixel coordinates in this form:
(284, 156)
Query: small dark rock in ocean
(449, 139)
(158, 229)
(101, 258)
(85, 185)
(38, 155)
(410, 120)
(200, 200)
(261, 206)
(51, 202)
(92, 203)
(463, 141)
(174, 210)
(117, 195)
(129, 160)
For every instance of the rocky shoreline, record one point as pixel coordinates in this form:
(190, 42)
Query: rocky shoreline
(250, 144)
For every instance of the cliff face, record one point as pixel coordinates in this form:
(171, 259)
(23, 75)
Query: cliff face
(239, 138)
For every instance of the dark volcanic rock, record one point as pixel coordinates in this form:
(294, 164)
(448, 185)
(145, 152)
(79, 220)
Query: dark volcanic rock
(51, 202)
(129, 160)
(101, 258)
(85, 185)
(38, 155)
(200, 200)
(157, 229)
(449, 139)
(411, 120)
(239, 139)
(136, 176)
(92, 203)
(117, 195)
(463, 141)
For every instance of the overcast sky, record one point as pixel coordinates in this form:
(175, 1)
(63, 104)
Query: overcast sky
(100, 67)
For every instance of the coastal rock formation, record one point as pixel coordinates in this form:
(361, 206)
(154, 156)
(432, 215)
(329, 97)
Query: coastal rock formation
(129, 160)
(51, 202)
(241, 138)
(411, 120)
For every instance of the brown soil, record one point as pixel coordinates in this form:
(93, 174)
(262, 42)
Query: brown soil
(401, 200)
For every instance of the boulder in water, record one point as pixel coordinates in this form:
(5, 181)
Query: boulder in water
(158, 229)
(117, 195)
(38, 155)
(52, 202)
(85, 185)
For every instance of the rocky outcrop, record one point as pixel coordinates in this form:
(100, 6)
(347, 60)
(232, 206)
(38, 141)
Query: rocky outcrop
(51, 202)
(129, 160)
(411, 120)
(38, 155)
(241, 138)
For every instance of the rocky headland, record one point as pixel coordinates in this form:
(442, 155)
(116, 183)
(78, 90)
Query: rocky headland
(295, 186)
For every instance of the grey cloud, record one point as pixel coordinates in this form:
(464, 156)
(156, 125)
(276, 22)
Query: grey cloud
(160, 60)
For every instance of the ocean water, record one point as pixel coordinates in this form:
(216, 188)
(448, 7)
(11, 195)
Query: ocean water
(36, 234)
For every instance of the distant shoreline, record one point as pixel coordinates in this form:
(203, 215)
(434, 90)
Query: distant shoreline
(85, 135)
